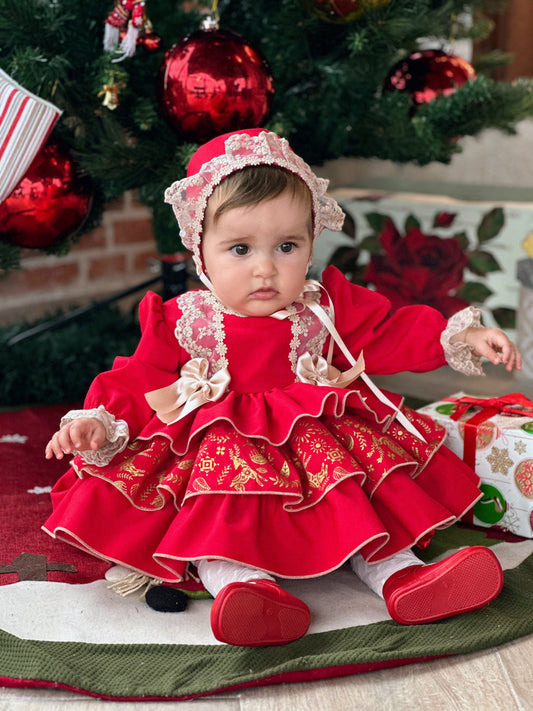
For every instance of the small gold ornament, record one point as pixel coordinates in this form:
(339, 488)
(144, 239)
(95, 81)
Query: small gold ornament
(113, 84)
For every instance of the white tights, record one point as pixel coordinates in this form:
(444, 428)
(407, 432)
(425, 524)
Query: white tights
(216, 574)
(374, 575)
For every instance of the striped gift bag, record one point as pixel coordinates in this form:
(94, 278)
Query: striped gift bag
(26, 121)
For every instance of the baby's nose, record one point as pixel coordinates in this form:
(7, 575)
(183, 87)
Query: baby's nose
(264, 265)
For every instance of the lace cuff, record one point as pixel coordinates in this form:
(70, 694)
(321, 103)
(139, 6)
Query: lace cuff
(460, 356)
(117, 435)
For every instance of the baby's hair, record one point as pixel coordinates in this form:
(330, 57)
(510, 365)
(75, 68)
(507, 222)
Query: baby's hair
(254, 184)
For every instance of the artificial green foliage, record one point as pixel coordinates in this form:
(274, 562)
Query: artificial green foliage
(9, 257)
(328, 87)
(70, 356)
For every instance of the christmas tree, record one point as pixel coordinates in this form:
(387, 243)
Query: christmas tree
(328, 85)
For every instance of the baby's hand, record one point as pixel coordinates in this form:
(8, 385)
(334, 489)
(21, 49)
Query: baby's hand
(493, 344)
(79, 435)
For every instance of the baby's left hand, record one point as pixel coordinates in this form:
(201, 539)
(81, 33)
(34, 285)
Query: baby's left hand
(491, 343)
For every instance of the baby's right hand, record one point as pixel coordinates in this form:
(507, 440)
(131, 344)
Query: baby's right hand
(78, 435)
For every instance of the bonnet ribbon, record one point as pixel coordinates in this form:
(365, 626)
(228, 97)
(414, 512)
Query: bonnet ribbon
(321, 370)
(191, 390)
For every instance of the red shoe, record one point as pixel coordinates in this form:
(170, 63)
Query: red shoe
(258, 614)
(467, 580)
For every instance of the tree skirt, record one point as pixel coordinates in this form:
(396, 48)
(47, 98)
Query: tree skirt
(61, 626)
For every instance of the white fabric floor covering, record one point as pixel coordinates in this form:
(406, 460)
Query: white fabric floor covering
(93, 613)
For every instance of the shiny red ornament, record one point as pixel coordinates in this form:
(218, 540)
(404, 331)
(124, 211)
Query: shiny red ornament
(342, 11)
(427, 74)
(213, 82)
(49, 204)
(126, 11)
(147, 40)
(336, 10)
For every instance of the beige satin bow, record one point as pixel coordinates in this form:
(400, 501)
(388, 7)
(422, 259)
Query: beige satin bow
(192, 390)
(315, 370)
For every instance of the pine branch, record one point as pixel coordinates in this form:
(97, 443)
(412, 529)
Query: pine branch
(9, 258)
(329, 99)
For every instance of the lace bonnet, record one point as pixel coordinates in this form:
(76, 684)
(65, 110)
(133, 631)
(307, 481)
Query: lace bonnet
(225, 154)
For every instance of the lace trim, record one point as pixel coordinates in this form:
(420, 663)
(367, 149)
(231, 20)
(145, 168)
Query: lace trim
(308, 334)
(117, 435)
(189, 196)
(460, 356)
(200, 330)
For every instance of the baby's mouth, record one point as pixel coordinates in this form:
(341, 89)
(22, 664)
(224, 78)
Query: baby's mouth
(265, 292)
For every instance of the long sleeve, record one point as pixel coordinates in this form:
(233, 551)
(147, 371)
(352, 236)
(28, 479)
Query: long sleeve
(407, 340)
(154, 364)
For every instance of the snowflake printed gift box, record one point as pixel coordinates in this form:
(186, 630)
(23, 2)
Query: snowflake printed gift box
(495, 437)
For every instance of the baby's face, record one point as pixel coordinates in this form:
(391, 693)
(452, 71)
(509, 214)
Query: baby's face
(257, 256)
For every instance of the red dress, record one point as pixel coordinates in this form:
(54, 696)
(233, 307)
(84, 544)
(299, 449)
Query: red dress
(281, 475)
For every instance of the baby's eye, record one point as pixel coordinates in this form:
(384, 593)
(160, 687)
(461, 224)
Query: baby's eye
(287, 247)
(240, 250)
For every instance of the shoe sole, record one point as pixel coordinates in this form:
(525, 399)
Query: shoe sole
(468, 580)
(245, 616)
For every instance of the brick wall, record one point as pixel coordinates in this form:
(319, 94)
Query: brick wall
(117, 255)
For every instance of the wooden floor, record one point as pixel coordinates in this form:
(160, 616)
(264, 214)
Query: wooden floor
(495, 680)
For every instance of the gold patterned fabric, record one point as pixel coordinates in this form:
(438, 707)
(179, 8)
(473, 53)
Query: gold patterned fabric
(317, 456)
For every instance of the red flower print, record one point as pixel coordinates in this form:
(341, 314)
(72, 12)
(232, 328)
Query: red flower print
(418, 269)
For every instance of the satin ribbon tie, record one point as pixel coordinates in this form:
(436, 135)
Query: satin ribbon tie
(308, 298)
(307, 295)
(192, 390)
(315, 370)
(512, 404)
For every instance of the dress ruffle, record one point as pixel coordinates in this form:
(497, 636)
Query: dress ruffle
(336, 485)
(271, 416)
(288, 477)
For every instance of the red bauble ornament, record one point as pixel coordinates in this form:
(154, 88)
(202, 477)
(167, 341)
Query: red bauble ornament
(147, 40)
(336, 10)
(428, 74)
(213, 82)
(49, 204)
(342, 11)
(150, 41)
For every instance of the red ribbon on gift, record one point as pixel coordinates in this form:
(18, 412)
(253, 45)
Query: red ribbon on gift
(511, 404)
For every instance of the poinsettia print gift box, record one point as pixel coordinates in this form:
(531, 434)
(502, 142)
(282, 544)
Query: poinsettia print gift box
(495, 437)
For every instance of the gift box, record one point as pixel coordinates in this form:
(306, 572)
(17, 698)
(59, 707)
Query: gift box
(495, 437)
